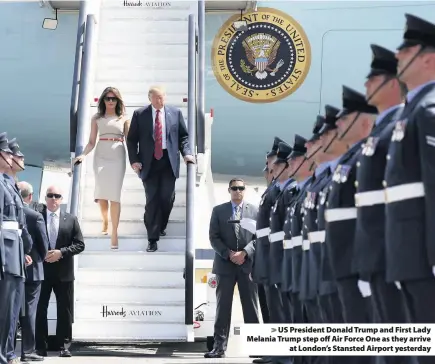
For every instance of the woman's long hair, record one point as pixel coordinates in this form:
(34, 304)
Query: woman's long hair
(119, 109)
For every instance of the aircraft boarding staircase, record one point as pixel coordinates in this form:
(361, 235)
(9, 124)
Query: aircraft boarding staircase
(129, 294)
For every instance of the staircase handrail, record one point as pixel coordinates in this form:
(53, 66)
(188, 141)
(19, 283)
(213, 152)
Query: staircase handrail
(83, 107)
(191, 179)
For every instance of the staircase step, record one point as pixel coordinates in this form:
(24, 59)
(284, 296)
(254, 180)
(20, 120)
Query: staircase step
(132, 197)
(142, 66)
(140, 26)
(130, 212)
(133, 182)
(134, 244)
(139, 260)
(166, 75)
(129, 293)
(127, 52)
(133, 227)
(129, 311)
(119, 5)
(112, 12)
(116, 330)
(173, 87)
(143, 278)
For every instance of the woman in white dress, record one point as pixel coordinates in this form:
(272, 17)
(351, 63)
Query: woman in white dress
(111, 125)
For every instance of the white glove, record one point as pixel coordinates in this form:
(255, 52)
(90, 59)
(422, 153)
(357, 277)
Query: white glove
(249, 224)
(398, 285)
(364, 288)
(433, 270)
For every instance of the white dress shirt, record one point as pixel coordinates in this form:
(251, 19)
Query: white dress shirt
(162, 121)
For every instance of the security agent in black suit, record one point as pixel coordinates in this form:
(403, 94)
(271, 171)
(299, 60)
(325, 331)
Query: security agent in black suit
(35, 274)
(340, 214)
(65, 241)
(384, 91)
(157, 136)
(12, 259)
(11, 178)
(409, 177)
(234, 248)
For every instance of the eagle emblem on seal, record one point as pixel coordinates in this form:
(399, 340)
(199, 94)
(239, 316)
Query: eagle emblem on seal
(261, 50)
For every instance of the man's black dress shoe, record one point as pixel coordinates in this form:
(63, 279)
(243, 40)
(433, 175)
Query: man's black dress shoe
(41, 353)
(152, 246)
(215, 354)
(32, 357)
(65, 353)
(163, 233)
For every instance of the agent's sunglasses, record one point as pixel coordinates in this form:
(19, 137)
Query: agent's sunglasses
(237, 188)
(110, 99)
(54, 195)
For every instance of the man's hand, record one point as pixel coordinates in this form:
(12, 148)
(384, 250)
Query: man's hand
(53, 256)
(136, 167)
(189, 159)
(238, 257)
(28, 260)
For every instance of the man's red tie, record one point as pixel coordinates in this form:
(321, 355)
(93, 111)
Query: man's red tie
(158, 146)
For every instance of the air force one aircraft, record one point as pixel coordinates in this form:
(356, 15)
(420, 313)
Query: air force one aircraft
(311, 48)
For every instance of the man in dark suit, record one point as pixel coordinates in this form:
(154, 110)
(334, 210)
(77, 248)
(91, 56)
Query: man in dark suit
(157, 135)
(234, 250)
(35, 274)
(66, 240)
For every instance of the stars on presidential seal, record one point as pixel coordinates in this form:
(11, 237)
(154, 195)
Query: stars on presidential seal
(261, 50)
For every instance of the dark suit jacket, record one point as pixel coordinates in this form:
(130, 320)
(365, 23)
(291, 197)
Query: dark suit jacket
(142, 134)
(223, 238)
(69, 242)
(38, 231)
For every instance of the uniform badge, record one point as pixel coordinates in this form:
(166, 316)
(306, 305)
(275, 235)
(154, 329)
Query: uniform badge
(336, 175)
(370, 146)
(399, 131)
(322, 197)
(344, 172)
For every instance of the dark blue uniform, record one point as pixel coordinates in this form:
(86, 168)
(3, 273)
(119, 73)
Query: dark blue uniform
(12, 257)
(410, 191)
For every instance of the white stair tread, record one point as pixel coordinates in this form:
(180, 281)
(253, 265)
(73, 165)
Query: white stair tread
(95, 330)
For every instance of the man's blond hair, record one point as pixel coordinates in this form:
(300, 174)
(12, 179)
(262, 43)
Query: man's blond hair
(156, 89)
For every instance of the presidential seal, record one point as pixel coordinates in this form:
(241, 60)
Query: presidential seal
(264, 63)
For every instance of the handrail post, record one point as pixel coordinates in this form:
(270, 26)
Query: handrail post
(83, 12)
(191, 176)
(201, 77)
(83, 108)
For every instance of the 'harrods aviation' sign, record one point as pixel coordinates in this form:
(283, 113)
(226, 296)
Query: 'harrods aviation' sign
(264, 63)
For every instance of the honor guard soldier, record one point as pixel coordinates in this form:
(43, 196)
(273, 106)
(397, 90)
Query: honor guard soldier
(260, 268)
(410, 175)
(12, 271)
(261, 257)
(18, 166)
(299, 169)
(293, 248)
(384, 91)
(276, 237)
(340, 214)
(321, 278)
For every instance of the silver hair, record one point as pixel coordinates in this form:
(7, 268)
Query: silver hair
(26, 189)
